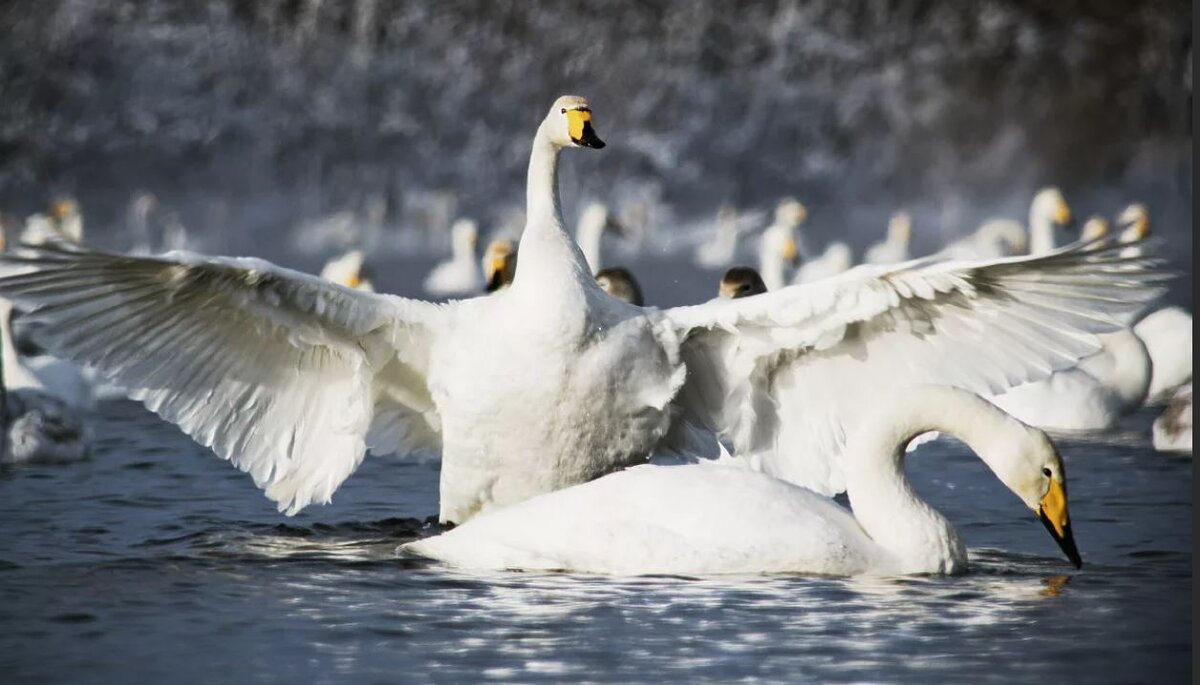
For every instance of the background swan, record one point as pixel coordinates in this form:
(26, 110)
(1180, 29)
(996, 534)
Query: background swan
(836, 259)
(460, 274)
(718, 518)
(994, 239)
(293, 378)
(1167, 334)
(777, 252)
(64, 221)
(721, 248)
(894, 247)
(1172, 430)
(1048, 213)
(595, 222)
(347, 271)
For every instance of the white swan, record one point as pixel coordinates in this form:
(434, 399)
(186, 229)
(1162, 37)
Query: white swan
(1172, 430)
(1134, 222)
(594, 223)
(460, 274)
(894, 248)
(34, 426)
(347, 270)
(717, 518)
(778, 248)
(1167, 334)
(720, 249)
(499, 264)
(836, 259)
(64, 222)
(549, 382)
(994, 239)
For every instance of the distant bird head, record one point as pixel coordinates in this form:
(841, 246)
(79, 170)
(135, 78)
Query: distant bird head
(620, 283)
(741, 281)
(1050, 203)
(1134, 223)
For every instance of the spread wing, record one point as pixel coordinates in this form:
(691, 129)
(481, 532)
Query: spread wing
(288, 376)
(782, 376)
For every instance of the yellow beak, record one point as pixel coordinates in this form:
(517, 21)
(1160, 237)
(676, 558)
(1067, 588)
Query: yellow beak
(1053, 514)
(1062, 214)
(789, 250)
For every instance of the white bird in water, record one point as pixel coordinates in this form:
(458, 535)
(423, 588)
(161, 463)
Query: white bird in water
(720, 519)
(894, 248)
(994, 239)
(595, 222)
(34, 426)
(550, 382)
(63, 222)
(777, 252)
(347, 270)
(722, 247)
(459, 275)
(1167, 334)
(836, 259)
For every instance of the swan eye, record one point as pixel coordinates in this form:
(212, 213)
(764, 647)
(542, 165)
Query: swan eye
(1046, 471)
(564, 110)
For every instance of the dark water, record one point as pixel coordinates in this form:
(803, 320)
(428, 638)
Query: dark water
(156, 562)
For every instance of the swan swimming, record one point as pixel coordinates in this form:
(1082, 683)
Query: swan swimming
(777, 247)
(837, 258)
(594, 223)
(458, 275)
(64, 222)
(894, 248)
(719, 518)
(550, 382)
(347, 270)
(720, 249)
(34, 426)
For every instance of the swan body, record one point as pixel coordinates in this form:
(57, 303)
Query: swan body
(460, 274)
(1172, 430)
(722, 519)
(549, 382)
(1167, 334)
(836, 259)
(994, 239)
(35, 426)
(895, 247)
(1092, 396)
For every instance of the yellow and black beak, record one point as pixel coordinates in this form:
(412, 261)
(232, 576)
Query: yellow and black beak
(579, 126)
(1053, 514)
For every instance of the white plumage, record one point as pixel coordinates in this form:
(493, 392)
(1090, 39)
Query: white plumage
(459, 275)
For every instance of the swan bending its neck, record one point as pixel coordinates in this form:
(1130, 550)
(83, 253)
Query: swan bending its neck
(892, 514)
(1048, 210)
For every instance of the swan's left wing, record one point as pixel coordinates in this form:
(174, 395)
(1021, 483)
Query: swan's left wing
(782, 376)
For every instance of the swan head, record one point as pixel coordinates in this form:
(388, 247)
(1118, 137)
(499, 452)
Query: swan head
(348, 271)
(900, 228)
(499, 264)
(1032, 468)
(1094, 228)
(1050, 204)
(779, 241)
(1134, 222)
(64, 208)
(569, 124)
(741, 281)
(790, 212)
(620, 283)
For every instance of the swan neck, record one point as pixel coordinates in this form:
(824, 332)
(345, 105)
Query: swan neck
(918, 538)
(589, 236)
(1041, 232)
(548, 252)
(770, 265)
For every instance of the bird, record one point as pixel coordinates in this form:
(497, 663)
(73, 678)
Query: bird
(720, 249)
(836, 259)
(894, 248)
(1167, 334)
(740, 281)
(620, 283)
(994, 239)
(348, 270)
(458, 275)
(1172, 430)
(34, 426)
(499, 264)
(595, 221)
(1094, 230)
(63, 222)
(1048, 213)
(1134, 222)
(777, 250)
(549, 382)
(718, 518)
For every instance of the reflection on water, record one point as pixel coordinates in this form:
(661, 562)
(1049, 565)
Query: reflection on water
(158, 562)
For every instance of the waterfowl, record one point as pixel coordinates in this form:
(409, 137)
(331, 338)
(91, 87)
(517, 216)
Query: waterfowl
(594, 223)
(1134, 223)
(1048, 213)
(550, 382)
(63, 222)
(721, 519)
(894, 248)
(777, 248)
(1172, 430)
(994, 239)
(34, 426)
(1167, 334)
(499, 264)
(347, 270)
(620, 283)
(836, 259)
(721, 248)
(460, 274)
(740, 281)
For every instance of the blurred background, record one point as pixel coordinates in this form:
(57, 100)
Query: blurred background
(293, 129)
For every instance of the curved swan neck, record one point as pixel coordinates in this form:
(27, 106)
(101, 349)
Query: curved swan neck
(546, 248)
(883, 500)
(1041, 231)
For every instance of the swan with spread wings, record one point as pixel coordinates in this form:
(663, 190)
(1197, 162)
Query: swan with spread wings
(549, 382)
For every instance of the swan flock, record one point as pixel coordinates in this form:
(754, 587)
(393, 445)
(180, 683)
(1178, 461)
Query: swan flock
(550, 382)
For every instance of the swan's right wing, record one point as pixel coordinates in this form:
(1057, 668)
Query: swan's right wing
(286, 375)
(782, 376)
